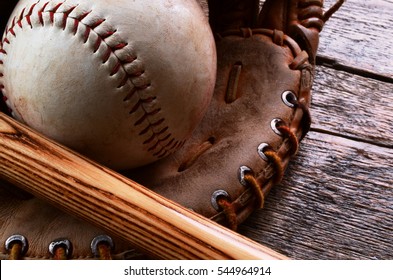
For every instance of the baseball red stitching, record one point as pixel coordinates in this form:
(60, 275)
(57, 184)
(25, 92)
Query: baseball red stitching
(155, 142)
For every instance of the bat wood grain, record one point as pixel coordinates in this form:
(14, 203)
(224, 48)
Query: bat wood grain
(79, 186)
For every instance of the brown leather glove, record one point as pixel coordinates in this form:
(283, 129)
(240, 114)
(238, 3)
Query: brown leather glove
(259, 112)
(258, 115)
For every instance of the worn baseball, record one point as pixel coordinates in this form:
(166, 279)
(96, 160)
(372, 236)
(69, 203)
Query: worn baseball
(123, 82)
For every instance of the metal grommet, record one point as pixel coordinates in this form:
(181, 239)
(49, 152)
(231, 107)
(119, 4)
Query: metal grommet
(17, 238)
(101, 239)
(274, 124)
(242, 171)
(65, 243)
(289, 98)
(215, 196)
(261, 151)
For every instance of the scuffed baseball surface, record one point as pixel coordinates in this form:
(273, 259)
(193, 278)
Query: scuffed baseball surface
(123, 82)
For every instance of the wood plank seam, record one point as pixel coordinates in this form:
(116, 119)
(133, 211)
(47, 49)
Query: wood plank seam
(334, 64)
(348, 137)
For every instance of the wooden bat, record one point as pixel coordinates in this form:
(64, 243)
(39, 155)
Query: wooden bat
(81, 187)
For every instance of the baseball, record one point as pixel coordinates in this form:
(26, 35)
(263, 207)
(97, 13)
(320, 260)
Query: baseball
(122, 82)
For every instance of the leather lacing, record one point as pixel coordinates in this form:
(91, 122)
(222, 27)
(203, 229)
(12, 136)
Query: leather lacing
(276, 163)
(311, 15)
(60, 249)
(17, 247)
(283, 129)
(60, 253)
(16, 251)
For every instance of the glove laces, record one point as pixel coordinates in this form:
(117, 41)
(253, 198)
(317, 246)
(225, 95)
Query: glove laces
(60, 249)
(275, 158)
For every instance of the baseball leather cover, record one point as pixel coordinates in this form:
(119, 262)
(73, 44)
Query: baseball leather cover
(121, 82)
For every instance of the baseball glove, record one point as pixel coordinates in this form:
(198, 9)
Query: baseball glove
(258, 116)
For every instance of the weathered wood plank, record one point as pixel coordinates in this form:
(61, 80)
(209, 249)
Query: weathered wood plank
(353, 106)
(359, 35)
(336, 202)
(336, 199)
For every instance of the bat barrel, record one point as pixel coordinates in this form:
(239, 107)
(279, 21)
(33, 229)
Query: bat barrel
(81, 187)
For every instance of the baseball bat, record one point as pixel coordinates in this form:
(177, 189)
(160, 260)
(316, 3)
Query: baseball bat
(81, 187)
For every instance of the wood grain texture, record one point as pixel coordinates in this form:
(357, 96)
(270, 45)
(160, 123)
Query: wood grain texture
(336, 201)
(353, 106)
(112, 202)
(360, 35)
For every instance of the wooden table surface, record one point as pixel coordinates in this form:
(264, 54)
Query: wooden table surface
(336, 201)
